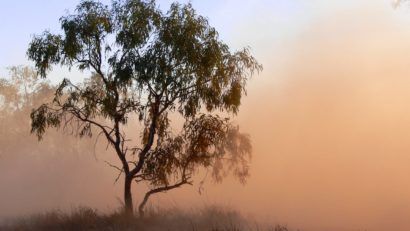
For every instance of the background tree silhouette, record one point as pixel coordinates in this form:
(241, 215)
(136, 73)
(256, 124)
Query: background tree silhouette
(152, 66)
(19, 93)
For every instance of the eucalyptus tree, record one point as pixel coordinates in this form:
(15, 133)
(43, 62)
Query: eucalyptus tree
(151, 66)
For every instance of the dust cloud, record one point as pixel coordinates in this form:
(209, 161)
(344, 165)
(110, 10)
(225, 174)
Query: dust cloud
(331, 126)
(330, 119)
(330, 122)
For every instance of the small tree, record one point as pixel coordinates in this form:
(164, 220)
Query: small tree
(151, 66)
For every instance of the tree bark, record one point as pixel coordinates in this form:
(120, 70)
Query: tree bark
(128, 205)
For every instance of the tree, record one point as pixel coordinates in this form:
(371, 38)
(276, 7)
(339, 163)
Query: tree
(149, 66)
(19, 93)
(22, 159)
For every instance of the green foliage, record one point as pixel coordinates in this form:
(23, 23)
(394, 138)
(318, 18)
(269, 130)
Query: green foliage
(206, 141)
(176, 55)
(149, 64)
(44, 50)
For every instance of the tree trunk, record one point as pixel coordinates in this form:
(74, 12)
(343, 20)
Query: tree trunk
(128, 205)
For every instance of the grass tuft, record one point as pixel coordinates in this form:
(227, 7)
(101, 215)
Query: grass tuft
(211, 218)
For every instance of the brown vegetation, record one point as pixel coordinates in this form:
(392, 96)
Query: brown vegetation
(210, 218)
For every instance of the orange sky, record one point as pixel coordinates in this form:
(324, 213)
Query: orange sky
(330, 121)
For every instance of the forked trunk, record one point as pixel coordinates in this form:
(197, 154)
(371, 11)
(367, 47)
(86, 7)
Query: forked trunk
(128, 205)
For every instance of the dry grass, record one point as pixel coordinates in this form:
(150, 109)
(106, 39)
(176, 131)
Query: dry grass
(208, 219)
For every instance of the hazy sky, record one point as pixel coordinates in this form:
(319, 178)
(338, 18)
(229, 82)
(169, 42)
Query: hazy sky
(329, 116)
(267, 19)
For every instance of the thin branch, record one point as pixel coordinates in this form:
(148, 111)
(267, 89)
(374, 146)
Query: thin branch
(118, 177)
(95, 143)
(113, 166)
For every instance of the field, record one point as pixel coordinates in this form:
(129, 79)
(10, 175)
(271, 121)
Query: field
(211, 218)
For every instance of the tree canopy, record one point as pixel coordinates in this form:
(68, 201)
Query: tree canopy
(150, 65)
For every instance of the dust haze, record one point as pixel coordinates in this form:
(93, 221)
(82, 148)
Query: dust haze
(330, 123)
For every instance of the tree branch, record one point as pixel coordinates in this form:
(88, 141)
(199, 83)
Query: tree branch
(152, 132)
(159, 190)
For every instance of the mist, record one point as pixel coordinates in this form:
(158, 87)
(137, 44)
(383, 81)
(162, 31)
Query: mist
(331, 125)
(329, 119)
